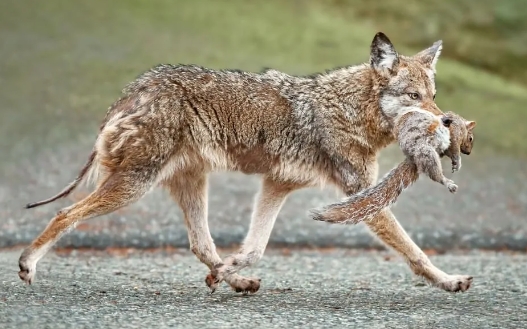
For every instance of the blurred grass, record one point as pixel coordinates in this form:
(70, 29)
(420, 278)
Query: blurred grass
(486, 34)
(64, 62)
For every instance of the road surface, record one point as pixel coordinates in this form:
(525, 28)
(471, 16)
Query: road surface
(300, 289)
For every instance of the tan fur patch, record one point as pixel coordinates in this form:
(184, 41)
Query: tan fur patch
(433, 126)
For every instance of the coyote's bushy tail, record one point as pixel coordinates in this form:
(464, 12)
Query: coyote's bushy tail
(368, 203)
(68, 189)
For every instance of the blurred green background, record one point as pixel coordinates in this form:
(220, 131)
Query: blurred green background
(64, 62)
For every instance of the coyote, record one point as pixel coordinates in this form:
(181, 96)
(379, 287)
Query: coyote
(423, 137)
(174, 124)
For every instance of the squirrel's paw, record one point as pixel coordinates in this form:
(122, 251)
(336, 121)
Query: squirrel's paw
(451, 187)
(456, 166)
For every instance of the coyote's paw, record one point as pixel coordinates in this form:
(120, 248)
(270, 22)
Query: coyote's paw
(245, 285)
(237, 282)
(455, 283)
(27, 270)
(212, 281)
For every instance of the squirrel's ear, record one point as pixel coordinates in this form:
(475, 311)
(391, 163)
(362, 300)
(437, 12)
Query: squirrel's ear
(471, 125)
(446, 121)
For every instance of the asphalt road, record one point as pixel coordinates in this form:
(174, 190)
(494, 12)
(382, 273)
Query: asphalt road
(300, 289)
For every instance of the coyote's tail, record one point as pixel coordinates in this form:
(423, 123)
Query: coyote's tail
(68, 189)
(368, 203)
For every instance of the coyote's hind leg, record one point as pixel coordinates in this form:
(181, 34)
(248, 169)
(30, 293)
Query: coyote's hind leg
(116, 191)
(189, 190)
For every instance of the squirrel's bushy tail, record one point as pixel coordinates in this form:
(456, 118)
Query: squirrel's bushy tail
(367, 203)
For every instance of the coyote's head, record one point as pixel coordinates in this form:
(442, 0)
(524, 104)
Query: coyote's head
(409, 81)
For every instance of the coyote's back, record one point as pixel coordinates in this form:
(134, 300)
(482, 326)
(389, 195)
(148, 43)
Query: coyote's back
(176, 118)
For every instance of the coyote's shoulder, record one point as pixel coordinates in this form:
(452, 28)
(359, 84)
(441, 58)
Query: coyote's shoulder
(423, 138)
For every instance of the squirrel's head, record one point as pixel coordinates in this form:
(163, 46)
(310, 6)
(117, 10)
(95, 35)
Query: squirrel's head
(468, 142)
(463, 130)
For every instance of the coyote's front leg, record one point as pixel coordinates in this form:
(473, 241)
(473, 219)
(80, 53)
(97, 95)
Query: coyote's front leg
(388, 229)
(268, 203)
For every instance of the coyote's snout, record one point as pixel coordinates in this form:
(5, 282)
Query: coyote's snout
(175, 124)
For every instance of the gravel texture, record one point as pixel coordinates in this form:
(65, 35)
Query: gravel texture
(300, 289)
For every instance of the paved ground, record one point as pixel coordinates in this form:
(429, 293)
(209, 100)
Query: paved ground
(301, 289)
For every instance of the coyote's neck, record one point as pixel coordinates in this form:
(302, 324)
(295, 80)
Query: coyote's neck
(356, 91)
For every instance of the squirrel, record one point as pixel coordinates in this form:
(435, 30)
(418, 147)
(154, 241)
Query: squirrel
(423, 138)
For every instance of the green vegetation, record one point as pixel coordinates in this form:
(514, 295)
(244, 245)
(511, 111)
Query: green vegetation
(64, 62)
(487, 34)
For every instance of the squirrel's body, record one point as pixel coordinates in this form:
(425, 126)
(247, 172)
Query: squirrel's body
(423, 138)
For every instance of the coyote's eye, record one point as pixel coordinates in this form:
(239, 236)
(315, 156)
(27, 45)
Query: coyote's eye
(414, 96)
(434, 98)
(471, 139)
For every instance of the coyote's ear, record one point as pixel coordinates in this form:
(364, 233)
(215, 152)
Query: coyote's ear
(382, 53)
(471, 125)
(430, 55)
